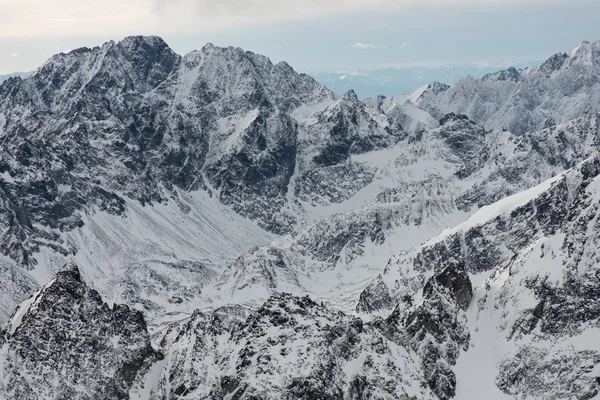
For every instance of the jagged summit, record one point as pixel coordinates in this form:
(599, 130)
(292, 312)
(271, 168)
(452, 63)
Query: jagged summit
(350, 95)
(65, 342)
(146, 40)
(511, 74)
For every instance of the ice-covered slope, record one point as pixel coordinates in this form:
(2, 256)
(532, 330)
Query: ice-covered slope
(159, 259)
(531, 259)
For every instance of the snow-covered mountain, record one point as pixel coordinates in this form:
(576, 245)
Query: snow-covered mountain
(13, 75)
(534, 311)
(218, 226)
(394, 81)
(563, 88)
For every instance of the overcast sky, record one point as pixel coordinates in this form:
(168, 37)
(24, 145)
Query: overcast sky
(311, 35)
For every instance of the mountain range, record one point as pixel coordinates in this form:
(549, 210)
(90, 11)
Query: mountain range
(14, 75)
(216, 226)
(393, 81)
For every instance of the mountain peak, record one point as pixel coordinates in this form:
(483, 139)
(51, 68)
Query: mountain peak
(66, 315)
(553, 63)
(582, 47)
(148, 47)
(437, 87)
(208, 47)
(584, 54)
(284, 66)
(70, 271)
(139, 40)
(509, 74)
(350, 95)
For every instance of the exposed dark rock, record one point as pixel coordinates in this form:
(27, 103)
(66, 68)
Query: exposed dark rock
(375, 297)
(69, 344)
(455, 279)
(302, 345)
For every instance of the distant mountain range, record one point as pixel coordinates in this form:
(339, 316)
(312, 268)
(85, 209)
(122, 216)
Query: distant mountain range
(395, 81)
(14, 74)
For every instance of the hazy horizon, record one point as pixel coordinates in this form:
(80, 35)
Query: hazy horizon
(327, 35)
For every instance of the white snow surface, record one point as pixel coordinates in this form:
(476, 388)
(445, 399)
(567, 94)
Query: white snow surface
(154, 254)
(504, 206)
(23, 308)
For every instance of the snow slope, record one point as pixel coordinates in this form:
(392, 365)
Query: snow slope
(530, 258)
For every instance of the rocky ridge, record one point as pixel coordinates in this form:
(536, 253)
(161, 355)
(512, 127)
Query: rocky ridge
(65, 342)
(536, 286)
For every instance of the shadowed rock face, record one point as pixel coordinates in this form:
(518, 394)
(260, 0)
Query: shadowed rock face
(351, 130)
(437, 328)
(466, 140)
(66, 343)
(375, 297)
(454, 279)
(259, 169)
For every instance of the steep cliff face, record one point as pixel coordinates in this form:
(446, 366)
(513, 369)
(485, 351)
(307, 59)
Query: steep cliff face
(65, 342)
(535, 289)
